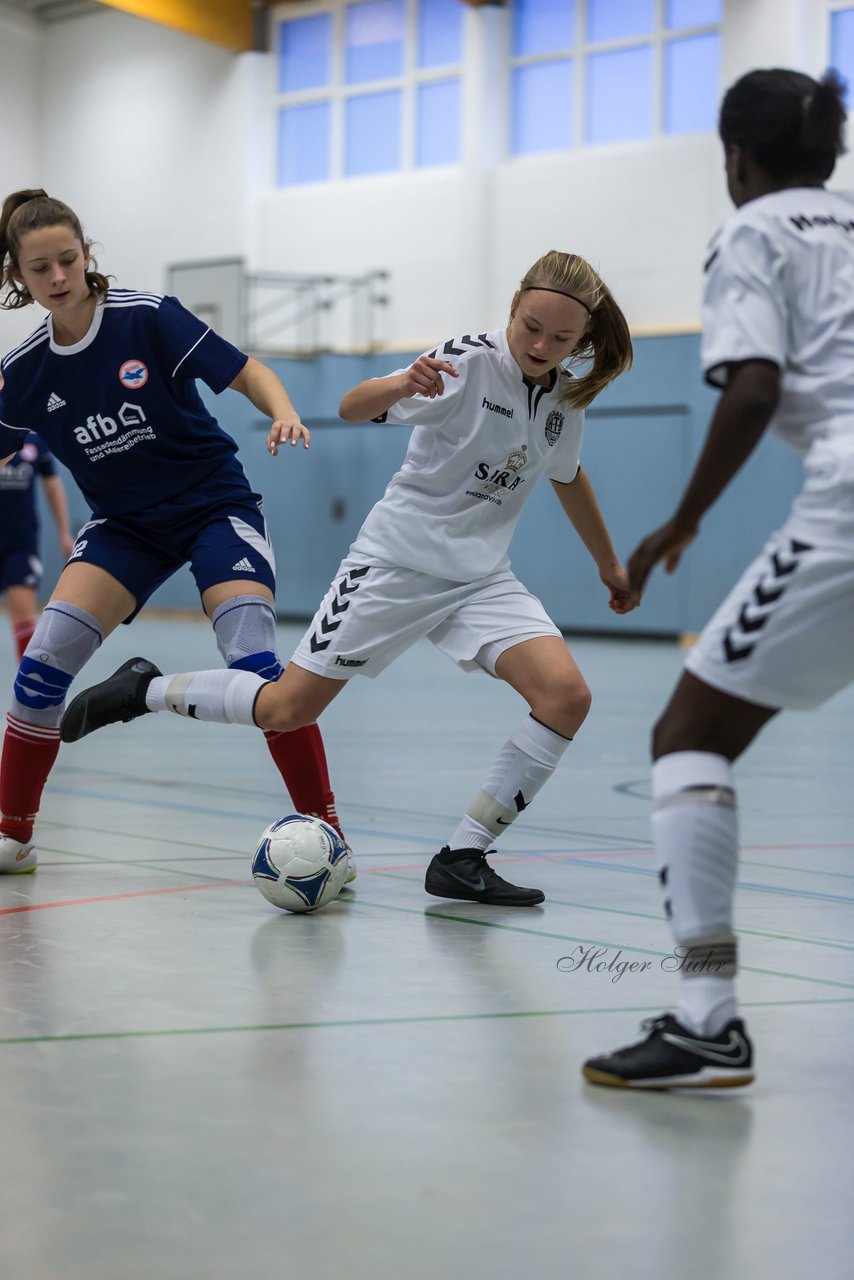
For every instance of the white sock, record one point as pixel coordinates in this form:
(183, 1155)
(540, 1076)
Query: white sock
(523, 765)
(695, 824)
(226, 697)
(706, 1004)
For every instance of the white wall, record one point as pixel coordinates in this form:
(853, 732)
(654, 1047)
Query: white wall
(164, 145)
(143, 131)
(21, 129)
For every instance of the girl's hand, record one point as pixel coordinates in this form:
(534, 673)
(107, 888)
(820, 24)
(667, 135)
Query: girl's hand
(424, 377)
(287, 430)
(616, 580)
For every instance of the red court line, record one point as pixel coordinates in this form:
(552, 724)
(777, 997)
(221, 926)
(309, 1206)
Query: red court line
(116, 897)
(226, 884)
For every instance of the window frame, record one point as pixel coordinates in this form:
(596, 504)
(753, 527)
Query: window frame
(658, 39)
(338, 93)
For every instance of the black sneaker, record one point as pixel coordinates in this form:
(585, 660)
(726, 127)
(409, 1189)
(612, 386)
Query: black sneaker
(465, 874)
(121, 697)
(672, 1057)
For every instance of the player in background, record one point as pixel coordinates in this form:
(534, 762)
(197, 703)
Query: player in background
(778, 339)
(491, 413)
(20, 564)
(109, 380)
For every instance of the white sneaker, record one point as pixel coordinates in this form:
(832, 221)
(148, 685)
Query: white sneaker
(351, 867)
(15, 857)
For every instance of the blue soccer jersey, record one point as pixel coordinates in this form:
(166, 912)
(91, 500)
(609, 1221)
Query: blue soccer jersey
(18, 514)
(121, 409)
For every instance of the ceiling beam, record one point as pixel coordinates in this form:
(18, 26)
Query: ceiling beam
(228, 23)
(233, 24)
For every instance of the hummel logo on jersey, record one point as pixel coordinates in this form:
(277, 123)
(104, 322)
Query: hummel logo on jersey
(734, 1053)
(496, 408)
(55, 402)
(243, 566)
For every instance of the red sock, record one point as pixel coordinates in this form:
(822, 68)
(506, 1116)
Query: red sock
(29, 751)
(301, 760)
(22, 633)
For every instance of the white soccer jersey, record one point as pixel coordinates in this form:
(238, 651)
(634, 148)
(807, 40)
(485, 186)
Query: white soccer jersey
(780, 287)
(474, 457)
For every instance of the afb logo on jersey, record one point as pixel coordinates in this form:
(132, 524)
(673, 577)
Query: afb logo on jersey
(554, 426)
(133, 374)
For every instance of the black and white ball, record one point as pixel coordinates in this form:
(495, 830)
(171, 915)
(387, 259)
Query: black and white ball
(300, 863)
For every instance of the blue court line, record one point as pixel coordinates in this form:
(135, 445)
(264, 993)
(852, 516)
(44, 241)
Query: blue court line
(740, 884)
(430, 841)
(208, 810)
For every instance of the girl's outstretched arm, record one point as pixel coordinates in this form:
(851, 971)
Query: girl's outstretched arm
(267, 392)
(579, 502)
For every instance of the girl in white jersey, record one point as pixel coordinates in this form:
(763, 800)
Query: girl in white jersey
(491, 413)
(108, 379)
(778, 338)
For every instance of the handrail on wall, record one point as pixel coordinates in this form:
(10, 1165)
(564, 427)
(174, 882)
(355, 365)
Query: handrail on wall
(283, 313)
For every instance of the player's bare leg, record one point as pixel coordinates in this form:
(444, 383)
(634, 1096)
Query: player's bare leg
(543, 671)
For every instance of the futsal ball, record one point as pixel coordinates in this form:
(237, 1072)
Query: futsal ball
(300, 863)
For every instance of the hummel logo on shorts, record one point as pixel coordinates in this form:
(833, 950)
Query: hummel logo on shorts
(55, 402)
(243, 566)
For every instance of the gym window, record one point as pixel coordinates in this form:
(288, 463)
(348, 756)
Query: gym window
(590, 72)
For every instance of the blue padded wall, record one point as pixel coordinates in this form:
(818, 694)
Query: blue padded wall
(641, 439)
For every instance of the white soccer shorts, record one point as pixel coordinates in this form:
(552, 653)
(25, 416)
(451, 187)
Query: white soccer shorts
(784, 636)
(372, 613)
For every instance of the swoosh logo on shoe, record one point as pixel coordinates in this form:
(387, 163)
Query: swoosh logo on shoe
(734, 1054)
(467, 884)
(25, 853)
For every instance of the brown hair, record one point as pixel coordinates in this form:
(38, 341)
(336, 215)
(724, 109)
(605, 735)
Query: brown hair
(33, 210)
(607, 341)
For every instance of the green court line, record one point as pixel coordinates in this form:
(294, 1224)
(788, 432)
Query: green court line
(406, 878)
(755, 933)
(640, 915)
(556, 857)
(593, 942)
(131, 835)
(413, 1019)
(148, 864)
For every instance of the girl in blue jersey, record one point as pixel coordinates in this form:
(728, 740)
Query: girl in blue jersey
(20, 564)
(109, 381)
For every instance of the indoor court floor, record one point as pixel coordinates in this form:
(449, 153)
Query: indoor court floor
(196, 1086)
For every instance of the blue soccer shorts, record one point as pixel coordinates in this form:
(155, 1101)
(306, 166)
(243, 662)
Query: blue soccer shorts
(228, 544)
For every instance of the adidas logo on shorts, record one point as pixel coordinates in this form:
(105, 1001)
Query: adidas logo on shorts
(243, 566)
(55, 402)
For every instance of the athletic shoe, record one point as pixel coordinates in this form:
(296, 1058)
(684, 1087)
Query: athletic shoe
(465, 874)
(16, 857)
(672, 1057)
(351, 866)
(121, 697)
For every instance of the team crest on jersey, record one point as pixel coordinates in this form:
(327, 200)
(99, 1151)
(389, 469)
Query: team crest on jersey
(29, 453)
(133, 374)
(554, 426)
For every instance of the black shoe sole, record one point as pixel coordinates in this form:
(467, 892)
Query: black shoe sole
(593, 1075)
(82, 716)
(486, 899)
